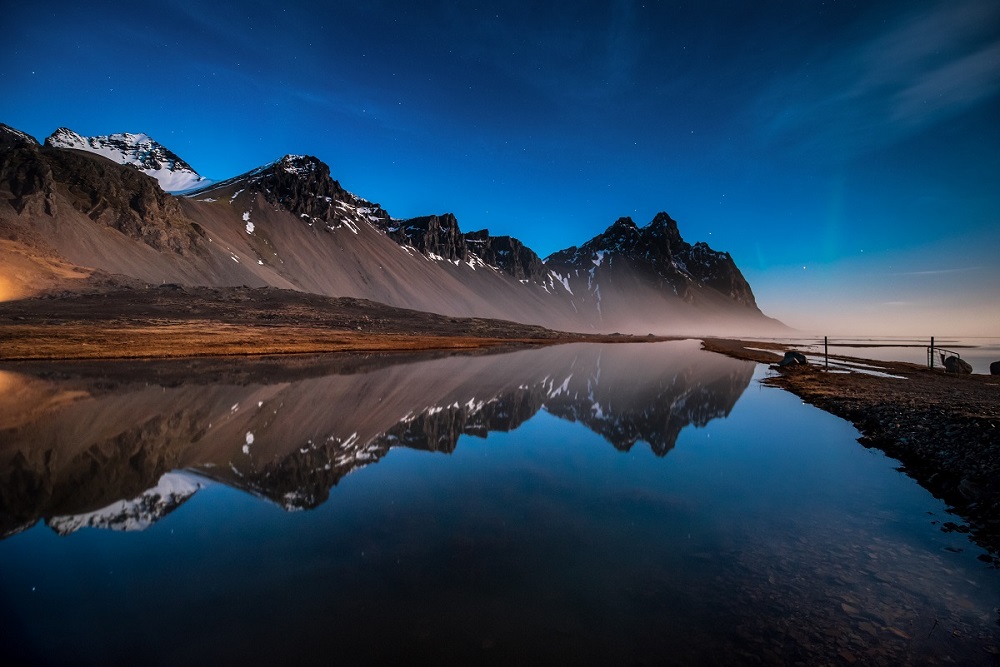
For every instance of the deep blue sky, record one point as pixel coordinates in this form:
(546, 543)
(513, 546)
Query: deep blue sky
(847, 154)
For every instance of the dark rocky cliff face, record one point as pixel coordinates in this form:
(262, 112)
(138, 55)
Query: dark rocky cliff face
(718, 271)
(124, 199)
(440, 235)
(37, 180)
(659, 254)
(13, 138)
(433, 235)
(507, 254)
(25, 178)
(302, 185)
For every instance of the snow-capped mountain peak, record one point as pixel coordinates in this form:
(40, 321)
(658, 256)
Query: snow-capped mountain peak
(139, 150)
(298, 164)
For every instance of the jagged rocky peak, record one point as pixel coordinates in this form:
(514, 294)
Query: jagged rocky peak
(507, 254)
(624, 236)
(13, 138)
(138, 150)
(299, 170)
(619, 236)
(665, 227)
(302, 185)
(437, 236)
(301, 164)
(658, 252)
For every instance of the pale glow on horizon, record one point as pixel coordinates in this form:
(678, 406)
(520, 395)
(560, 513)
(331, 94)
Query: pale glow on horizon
(889, 319)
(921, 291)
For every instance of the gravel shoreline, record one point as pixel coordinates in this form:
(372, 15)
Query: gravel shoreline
(943, 428)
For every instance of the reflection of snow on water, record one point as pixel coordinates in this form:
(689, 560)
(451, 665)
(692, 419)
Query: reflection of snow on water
(135, 514)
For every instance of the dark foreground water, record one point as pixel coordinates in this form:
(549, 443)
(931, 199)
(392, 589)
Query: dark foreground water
(611, 504)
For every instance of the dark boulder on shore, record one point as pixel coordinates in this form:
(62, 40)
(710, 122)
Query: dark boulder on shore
(955, 365)
(995, 368)
(793, 358)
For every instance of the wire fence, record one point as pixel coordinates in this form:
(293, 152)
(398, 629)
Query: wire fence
(936, 356)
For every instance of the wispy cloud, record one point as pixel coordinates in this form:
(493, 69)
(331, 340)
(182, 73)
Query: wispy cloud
(875, 88)
(951, 87)
(940, 272)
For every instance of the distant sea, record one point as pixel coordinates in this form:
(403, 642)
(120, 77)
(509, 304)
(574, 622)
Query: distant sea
(979, 352)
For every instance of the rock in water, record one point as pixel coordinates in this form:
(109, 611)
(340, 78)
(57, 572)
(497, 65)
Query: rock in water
(955, 365)
(995, 368)
(793, 358)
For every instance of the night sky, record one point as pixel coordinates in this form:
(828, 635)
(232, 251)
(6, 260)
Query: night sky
(847, 154)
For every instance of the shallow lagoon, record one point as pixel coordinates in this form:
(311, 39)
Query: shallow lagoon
(978, 352)
(587, 503)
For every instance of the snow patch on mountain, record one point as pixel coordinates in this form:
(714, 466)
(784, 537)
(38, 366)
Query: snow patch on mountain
(138, 150)
(297, 164)
(562, 280)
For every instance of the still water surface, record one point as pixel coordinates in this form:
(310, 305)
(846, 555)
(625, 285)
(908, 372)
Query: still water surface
(582, 503)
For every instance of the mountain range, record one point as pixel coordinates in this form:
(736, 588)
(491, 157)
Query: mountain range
(78, 212)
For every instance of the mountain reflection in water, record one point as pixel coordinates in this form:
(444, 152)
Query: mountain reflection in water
(766, 535)
(100, 452)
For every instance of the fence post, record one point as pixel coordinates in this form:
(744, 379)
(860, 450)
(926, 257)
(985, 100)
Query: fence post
(826, 354)
(932, 351)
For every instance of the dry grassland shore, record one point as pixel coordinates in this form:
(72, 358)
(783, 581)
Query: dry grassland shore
(943, 428)
(173, 321)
